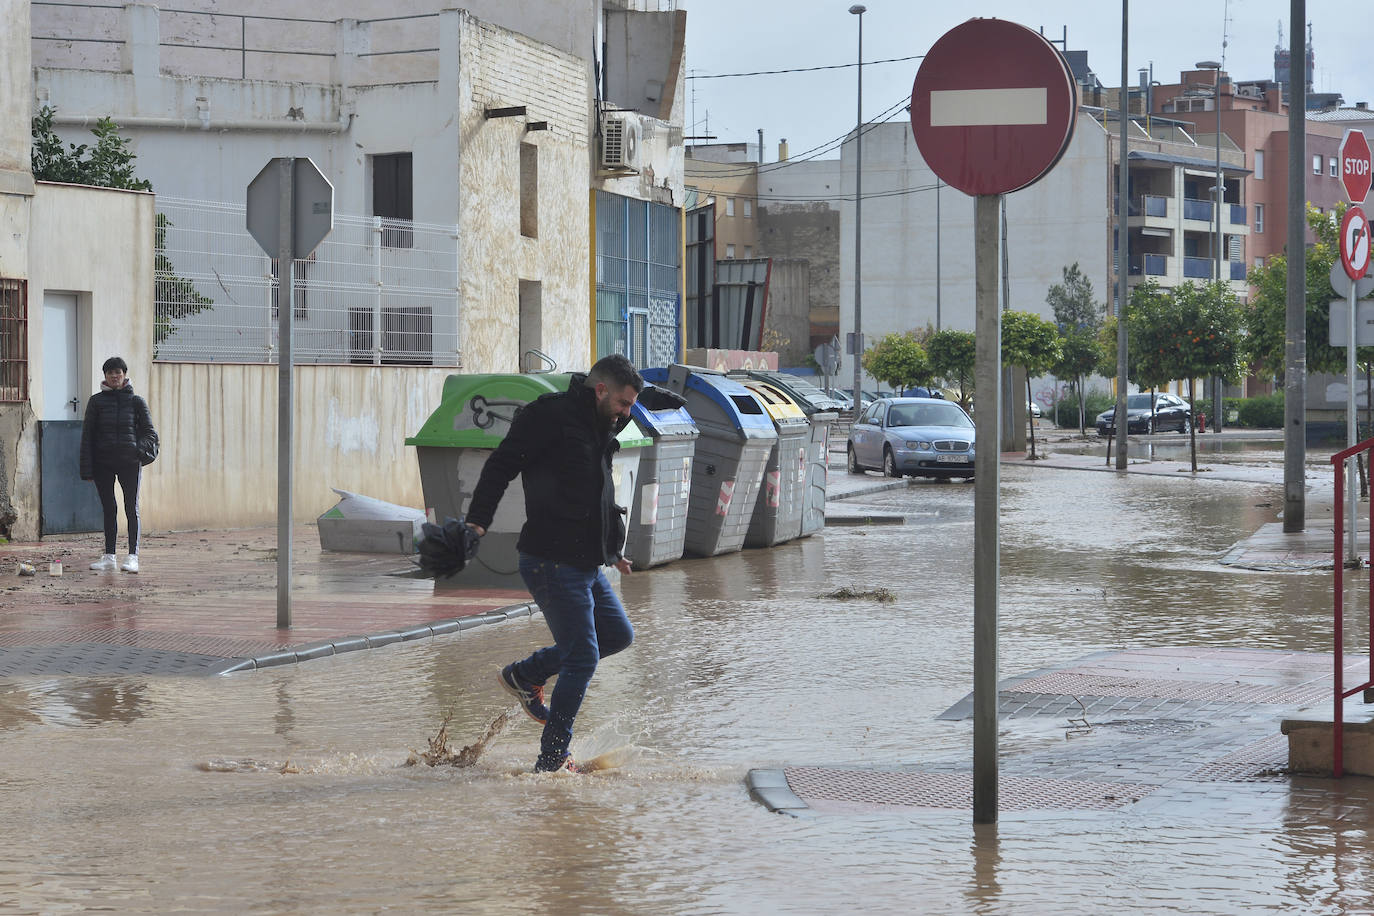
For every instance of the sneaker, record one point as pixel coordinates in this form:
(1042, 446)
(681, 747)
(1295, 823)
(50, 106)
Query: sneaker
(105, 564)
(130, 565)
(531, 696)
(567, 765)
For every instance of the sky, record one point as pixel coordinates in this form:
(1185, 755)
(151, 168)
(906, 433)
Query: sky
(811, 109)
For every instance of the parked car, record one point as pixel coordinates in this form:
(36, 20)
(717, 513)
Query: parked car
(1147, 413)
(916, 437)
(1033, 409)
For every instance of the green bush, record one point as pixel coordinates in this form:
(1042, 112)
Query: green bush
(1263, 412)
(1066, 411)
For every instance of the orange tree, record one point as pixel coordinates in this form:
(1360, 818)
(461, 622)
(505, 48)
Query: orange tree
(952, 355)
(1189, 333)
(899, 360)
(1032, 343)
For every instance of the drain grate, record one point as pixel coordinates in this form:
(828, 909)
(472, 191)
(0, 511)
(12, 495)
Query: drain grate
(1265, 760)
(955, 790)
(1152, 726)
(1095, 685)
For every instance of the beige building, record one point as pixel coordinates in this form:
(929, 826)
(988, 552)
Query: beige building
(493, 207)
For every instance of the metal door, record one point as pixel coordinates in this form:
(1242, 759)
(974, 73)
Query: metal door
(67, 504)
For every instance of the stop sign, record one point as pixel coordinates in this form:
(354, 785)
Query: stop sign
(993, 106)
(1355, 165)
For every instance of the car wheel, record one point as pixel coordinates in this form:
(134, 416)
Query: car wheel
(853, 462)
(890, 464)
(1186, 426)
(1150, 427)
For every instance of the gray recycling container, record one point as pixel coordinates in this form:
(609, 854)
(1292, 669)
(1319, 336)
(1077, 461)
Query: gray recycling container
(658, 511)
(822, 410)
(778, 509)
(727, 471)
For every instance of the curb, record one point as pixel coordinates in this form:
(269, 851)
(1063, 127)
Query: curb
(375, 641)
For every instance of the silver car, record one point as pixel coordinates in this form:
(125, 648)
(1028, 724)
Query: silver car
(918, 437)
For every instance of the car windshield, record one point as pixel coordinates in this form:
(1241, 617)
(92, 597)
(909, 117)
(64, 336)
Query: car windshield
(1138, 402)
(927, 415)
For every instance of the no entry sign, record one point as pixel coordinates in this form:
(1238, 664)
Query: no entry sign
(993, 107)
(1355, 165)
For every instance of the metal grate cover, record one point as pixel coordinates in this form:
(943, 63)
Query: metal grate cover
(955, 790)
(1264, 760)
(1094, 685)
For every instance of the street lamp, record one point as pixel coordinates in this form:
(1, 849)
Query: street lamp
(1215, 67)
(858, 9)
(1216, 190)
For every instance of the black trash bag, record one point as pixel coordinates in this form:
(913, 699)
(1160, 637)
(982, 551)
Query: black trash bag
(445, 549)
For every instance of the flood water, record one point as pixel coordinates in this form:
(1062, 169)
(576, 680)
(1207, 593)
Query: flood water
(158, 794)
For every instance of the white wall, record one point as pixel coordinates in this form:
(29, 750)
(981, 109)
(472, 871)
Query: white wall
(218, 425)
(1061, 219)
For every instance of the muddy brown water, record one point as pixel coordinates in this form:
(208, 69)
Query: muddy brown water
(157, 794)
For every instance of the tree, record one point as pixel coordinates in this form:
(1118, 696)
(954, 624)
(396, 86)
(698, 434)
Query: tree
(1080, 357)
(1032, 343)
(1266, 314)
(1195, 332)
(952, 357)
(899, 361)
(1073, 304)
(109, 165)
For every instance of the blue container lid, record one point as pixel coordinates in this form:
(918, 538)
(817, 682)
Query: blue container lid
(672, 422)
(737, 402)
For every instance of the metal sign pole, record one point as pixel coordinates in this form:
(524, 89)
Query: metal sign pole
(1350, 427)
(987, 420)
(286, 302)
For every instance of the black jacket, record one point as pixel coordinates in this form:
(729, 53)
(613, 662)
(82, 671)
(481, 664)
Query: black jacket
(117, 429)
(563, 457)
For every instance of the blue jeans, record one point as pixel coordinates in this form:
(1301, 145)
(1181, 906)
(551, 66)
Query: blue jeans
(588, 623)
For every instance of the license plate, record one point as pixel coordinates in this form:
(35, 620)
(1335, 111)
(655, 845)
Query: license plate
(952, 459)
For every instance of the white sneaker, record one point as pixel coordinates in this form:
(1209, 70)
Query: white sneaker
(105, 563)
(130, 564)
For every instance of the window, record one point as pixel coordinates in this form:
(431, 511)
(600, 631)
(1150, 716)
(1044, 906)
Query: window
(1259, 165)
(393, 197)
(300, 282)
(1317, 165)
(729, 252)
(1331, 167)
(531, 327)
(748, 251)
(407, 336)
(14, 340)
(529, 190)
(1259, 262)
(1259, 218)
(748, 208)
(729, 206)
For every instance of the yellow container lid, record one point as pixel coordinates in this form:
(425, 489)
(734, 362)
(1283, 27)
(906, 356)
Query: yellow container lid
(776, 401)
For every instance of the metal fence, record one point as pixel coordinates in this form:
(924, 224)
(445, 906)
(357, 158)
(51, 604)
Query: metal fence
(376, 291)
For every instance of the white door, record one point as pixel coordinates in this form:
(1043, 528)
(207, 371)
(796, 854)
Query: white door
(61, 398)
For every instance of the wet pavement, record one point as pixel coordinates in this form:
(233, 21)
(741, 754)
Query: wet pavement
(1144, 679)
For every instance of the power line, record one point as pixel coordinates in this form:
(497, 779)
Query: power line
(816, 151)
(869, 63)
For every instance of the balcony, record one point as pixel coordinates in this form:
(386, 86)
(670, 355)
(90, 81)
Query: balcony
(1149, 265)
(1238, 216)
(1238, 271)
(1197, 209)
(1156, 206)
(1197, 268)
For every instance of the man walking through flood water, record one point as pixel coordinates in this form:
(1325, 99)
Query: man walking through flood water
(561, 445)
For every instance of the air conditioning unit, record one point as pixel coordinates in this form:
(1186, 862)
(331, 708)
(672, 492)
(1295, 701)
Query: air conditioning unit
(620, 136)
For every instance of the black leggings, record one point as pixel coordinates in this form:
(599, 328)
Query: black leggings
(128, 473)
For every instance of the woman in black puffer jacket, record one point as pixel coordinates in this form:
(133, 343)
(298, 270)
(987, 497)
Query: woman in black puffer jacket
(117, 439)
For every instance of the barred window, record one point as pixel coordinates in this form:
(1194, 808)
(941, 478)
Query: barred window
(14, 340)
